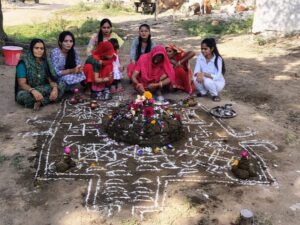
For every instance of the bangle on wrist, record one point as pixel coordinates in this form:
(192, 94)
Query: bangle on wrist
(30, 90)
(161, 84)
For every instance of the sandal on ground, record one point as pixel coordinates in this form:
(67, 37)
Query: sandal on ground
(199, 95)
(216, 98)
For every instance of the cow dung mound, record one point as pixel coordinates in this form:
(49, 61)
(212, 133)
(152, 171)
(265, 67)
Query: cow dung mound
(144, 124)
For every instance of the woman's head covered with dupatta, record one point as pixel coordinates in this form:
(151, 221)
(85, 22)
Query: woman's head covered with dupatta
(104, 51)
(154, 64)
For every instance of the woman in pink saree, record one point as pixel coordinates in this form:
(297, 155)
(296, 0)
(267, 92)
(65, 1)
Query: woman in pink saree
(153, 72)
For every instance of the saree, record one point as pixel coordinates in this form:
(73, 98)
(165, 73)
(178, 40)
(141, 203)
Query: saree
(37, 75)
(150, 72)
(95, 63)
(183, 73)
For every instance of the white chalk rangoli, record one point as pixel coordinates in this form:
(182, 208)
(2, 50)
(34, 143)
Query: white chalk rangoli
(119, 176)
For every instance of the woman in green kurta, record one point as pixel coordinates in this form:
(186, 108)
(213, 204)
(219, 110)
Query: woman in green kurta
(35, 78)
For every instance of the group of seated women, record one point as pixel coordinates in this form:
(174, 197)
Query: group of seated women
(152, 67)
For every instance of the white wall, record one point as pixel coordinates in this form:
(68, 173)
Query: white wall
(277, 17)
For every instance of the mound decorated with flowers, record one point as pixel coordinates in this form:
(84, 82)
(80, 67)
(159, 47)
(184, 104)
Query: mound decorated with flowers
(144, 123)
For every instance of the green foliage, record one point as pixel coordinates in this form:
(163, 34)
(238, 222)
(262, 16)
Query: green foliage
(132, 221)
(17, 161)
(108, 7)
(82, 7)
(289, 138)
(261, 41)
(3, 158)
(82, 29)
(48, 31)
(206, 29)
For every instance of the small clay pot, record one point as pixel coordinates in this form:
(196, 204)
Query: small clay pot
(93, 104)
(73, 101)
(81, 100)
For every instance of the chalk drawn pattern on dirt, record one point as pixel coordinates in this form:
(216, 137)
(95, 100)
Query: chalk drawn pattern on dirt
(121, 176)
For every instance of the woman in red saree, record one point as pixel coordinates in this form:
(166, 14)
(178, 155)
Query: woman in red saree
(153, 71)
(98, 70)
(180, 61)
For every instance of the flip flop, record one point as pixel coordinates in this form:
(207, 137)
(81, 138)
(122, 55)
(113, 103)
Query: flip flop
(216, 98)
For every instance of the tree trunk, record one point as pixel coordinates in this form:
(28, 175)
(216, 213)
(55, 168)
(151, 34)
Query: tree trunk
(276, 17)
(3, 35)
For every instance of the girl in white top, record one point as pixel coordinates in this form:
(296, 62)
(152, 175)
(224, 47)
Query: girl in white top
(209, 70)
(117, 69)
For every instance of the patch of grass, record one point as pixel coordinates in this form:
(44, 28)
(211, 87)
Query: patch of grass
(17, 161)
(261, 41)
(110, 8)
(132, 221)
(48, 31)
(207, 29)
(289, 138)
(264, 222)
(82, 29)
(2, 158)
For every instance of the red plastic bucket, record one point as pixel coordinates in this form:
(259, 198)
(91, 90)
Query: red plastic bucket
(11, 54)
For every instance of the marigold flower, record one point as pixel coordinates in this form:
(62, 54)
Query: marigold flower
(236, 162)
(153, 121)
(148, 94)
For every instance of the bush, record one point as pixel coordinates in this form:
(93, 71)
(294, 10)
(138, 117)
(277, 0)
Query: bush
(206, 29)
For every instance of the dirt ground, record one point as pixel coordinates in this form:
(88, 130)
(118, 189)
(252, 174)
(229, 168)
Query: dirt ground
(262, 83)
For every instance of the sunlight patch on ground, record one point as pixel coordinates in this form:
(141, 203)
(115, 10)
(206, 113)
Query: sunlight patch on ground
(260, 117)
(297, 187)
(282, 77)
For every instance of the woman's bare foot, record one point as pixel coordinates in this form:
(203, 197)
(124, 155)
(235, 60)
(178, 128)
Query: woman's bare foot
(37, 106)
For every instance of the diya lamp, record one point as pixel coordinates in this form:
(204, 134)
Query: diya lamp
(93, 104)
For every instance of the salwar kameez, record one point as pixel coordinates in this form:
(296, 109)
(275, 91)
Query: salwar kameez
(37, 75)
(27, 99)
